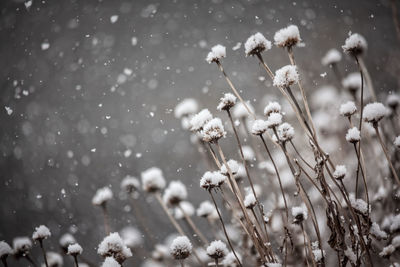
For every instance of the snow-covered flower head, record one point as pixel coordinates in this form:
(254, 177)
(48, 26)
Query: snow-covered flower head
(285, 132)
(54, 259)
(102, 196)
(217, 249)
(230, 260)
(360, 205)
(300, 214)
(274, 120)
(213, 130)
(41, 232)
(175, 193)
(205, 209)
(113, 246)
(240, 111)
(153, 180)
(353, 135)
(181, 248)
(110, 262)
(387, 251)
(352, 82)
(160, 252)
(340, 172)
(393, 101)
(248, 153)
(287, 37)
(5, 250)
(272, 107)
(333, 56)
(74, 249)
(397, 142)
(286, 76)
(186, 107)
(256, 44)
(66, 240)
(227, 102)
(131, 236)
(22, 245)
(233, 167)
(197, 121)
(259, 127)
(211, 180)
(355, 44)
(250, 201)
(216, 54)
(348, 109)
(374, 112)
(187, 207)
(130, 184)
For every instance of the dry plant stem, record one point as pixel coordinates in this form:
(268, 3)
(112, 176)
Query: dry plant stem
(367, 78)
(305, 244)
(225, 232)
(386, 153)
(182, 264)
(139, 216)
(300, 156)
(4, 260)
(44, 252)
(395, 18)
(363, 175)
(106, 219)
(234, 90)
(193, 226)
(175, 223)
(28, 258)
(214, 156)
(216, 262)
(76, 261)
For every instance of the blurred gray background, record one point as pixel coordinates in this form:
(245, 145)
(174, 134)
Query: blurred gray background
(92, 98)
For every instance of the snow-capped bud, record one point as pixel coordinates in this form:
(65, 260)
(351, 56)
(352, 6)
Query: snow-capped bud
(360, 205)
(272, 107)
(213, 130)
(348, 109)
(113, 246)
(211, 180)
(227, 102)
(233, 166)
(300, 214)
(197, 121)
(374, 112)
(274, 120)
(160, 252)
(393, 101)
(217, 249)
(287, 37)
(66, 240)
(130, 184)
(285, 132)
(248, 153)
(152, 180)
(5, 250)
(102, 196)
(187, 207)
(181, 248)
(74, 250)
(41, 233)
(131, 236)
(54, 259)
(256, 44)
(216, 54)
(333, 56)
(353, 135)
(175, 193)
(205, 209)
(352, 82)
(240, 111)
(21, 245)
(355, 44)
(259, 127)
(250, 201)
(186, 107)
(340, 172)
(286, 76)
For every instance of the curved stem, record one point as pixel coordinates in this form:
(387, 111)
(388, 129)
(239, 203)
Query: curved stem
(44, 253)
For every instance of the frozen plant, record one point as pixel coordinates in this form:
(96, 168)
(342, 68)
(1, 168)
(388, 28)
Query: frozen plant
(287, 37)
(113, 246)
(153, 180)
(286, 76)
(256, 44)
(181, 248)
(216, 54)
(355, 44)
(333, 56)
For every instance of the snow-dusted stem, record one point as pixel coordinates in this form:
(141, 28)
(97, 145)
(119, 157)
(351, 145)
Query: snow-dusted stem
(44, 252)
(193, 226)
(386, 153)
(106, 219)
(225, 232)
(76, 261)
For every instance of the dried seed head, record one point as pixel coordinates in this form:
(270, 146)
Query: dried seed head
(355, 44)
(250, 201)
(348, 109)
(152, 180)
(272, 107)
(240, 111)
(285, 132)
(287, 37)
(175, 193)
(227, 102)
(41, 232)
(132, 237)
(259, 127)
(353, 135)
(352, 82)
(230, 260)
(256, 44)
(300, 214)
(397, 142)
(74, 250)
(187, 207)
(274, 120)
(5, 250)
(181, 248)
(217, 249)
(130, 184)
(333, 56)
(186, 107)
(217, 53)
(233, 166)
(211, 180)
(66, 240)
(374, 112)
(340, 172)
(387, 251)
(213, 130)
(205, 209)
(21, 246)
(393, 101)
(198, 121)
(110, 262)
(286, 76)
(102, 196)
(113, 246)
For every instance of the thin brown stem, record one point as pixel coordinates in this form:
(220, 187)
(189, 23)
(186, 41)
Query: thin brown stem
(106, 218)
(44, 252)
(76, 261)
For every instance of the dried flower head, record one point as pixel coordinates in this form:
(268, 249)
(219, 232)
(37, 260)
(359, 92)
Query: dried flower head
(186, 107)
(285, 132)
(131, 236)
(300, 214)
(130, 184)
(227, 102)
(5, 250)
(211, 180)
(205, 209)
(272, 107)
(181, 248)
(216, 54)
(54, 259)
(113, 246)
(233, 167)
(250, 201)
(348, 109)
(230, 260)
(353, 135)
(393, 101)
(187, 207)
(352, 82)
(198, 121)
(360, 205)
(256, 44)
(374, 112)
(41, 233)
(286, 76)
(22, 246)
(66, 240)
(274, 120)
(248, 153)
(240, 111)
(387, 251)
(355, 44)
(110, 262)
(333, 56)
(102, 196)
(259, 127)
(153, 180)
(287, 37)
(213, 130)
(74, 249)
(340, 172)
(175, 193)
(217, 249)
